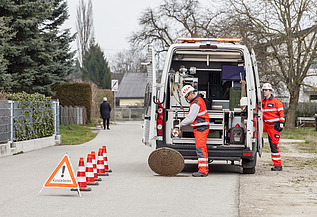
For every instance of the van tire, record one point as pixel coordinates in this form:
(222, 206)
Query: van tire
(249, 165)
(249, 170)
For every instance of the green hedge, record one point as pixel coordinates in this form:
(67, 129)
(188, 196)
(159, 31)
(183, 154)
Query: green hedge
(75, 94)
(33, 116)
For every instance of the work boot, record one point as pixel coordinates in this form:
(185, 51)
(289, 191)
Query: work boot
(276, 168)
(199, 174)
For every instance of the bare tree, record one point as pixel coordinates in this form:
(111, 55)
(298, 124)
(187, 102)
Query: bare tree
(85, 28)
(286, 34)
(173, 19)
(128, 61)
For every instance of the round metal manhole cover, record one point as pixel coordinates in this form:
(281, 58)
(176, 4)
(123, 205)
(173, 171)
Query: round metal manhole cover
(166, 162)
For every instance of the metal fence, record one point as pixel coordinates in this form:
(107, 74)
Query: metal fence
(305, 109)
(73, 115)
(126, 114)
(16, 116)
(6, 119)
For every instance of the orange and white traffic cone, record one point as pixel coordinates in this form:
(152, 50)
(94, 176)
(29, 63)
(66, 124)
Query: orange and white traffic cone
(90, 179)
(100, 164)
(93, 157)
(81, 177)
(105, 158)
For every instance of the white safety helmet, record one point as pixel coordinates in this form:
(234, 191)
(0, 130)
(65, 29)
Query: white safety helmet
(187, 89)
(105, 99)
(267, 86)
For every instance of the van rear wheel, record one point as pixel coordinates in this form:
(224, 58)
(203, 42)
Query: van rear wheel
(249, 165)
(249, 170)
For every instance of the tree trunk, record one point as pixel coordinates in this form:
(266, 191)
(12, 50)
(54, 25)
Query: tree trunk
(293, 103)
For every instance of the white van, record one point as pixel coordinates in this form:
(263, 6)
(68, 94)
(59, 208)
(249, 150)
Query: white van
(225, 74)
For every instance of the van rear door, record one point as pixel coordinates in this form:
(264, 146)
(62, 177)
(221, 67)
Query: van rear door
(258, 99)
(149, 105)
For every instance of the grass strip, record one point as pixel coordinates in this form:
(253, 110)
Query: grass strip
(76, 134)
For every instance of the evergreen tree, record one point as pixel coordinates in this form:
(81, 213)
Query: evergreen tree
(27, 45)
(5, 36)
(95, 66)
(38, 54)
(59, 63)
(76, 74)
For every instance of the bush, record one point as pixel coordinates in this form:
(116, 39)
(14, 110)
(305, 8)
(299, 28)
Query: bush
(33, 116)
(75, 94)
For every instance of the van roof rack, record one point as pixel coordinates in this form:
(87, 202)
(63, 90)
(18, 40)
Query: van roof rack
(227, 40)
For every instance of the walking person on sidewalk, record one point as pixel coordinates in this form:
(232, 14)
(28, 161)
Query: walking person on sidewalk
(105, 110)
(273, 122)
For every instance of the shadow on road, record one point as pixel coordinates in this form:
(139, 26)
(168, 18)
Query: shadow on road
(189, 175)
(213, 168)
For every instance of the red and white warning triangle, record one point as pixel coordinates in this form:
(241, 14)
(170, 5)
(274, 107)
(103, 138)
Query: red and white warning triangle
(63, 176)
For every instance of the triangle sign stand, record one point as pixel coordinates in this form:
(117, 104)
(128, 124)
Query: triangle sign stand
(63, 176)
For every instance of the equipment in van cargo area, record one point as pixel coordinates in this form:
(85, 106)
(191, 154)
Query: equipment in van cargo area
(224, 73)
(236, 135)
(234, 99)
(232, 73)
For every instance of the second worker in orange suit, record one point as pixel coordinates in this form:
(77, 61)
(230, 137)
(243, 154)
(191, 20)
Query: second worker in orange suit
(273, 122)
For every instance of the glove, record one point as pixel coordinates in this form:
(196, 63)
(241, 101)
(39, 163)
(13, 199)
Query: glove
(279, 126)
(176, 131)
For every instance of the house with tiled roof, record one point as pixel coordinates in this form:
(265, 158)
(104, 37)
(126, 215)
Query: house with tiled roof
(131, 90)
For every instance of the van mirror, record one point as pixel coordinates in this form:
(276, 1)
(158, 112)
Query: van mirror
(244, 101)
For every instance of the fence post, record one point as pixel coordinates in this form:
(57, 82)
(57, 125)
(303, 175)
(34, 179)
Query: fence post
(129, 114)
(11, 122)
(54, 116)
(76, 115)
(79, 118)
(57, 117)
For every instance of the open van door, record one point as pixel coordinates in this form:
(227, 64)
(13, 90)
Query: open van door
(149, 105)
(147, 115)
(258, 99)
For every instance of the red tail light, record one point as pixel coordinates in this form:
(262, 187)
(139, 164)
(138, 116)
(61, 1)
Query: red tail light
(255, 127)
(247, 154)
(159, 124)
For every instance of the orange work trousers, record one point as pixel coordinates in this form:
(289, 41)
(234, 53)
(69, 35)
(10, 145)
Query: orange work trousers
(274, 138)
(201, 134)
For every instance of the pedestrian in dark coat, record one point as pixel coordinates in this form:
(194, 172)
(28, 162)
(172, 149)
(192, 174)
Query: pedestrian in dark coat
(105, 109)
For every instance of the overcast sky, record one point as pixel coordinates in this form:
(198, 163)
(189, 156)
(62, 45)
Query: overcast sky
(114, 21)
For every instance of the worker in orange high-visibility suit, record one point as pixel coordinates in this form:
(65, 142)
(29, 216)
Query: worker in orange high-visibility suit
(273, 119)
(198, 118)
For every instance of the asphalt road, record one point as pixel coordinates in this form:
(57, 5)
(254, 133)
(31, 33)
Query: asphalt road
(132, 189)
